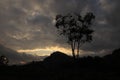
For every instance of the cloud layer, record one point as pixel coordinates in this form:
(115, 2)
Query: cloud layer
(29, 24)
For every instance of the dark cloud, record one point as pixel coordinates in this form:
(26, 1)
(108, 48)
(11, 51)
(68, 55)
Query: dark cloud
(106, 36)
(38, 19)
(28, 24)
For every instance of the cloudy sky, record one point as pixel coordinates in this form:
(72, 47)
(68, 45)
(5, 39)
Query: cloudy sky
(28, 25)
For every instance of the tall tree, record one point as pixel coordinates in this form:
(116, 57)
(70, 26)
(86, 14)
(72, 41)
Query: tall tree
(76, 29)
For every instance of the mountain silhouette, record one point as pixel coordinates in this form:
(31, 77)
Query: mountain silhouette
(57, 59)
(113, 59)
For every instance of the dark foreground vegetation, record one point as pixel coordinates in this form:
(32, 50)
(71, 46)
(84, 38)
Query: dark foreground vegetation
(59, 66)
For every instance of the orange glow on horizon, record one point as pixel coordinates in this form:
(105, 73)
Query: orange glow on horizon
(48, 50)
(45, 51)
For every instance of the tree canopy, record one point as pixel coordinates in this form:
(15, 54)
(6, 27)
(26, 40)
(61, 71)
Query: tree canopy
(76, 29)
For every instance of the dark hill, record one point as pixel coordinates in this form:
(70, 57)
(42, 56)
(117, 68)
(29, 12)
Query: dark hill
(59, 66)
(57, 59)
(113, 59)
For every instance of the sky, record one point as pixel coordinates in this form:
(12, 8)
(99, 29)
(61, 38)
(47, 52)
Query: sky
(29, 25)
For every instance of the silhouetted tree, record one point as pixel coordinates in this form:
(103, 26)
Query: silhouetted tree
(76, 29)
(3, 60)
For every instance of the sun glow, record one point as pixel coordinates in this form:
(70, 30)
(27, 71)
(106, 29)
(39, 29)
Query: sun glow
(45, 51)
(48, 50)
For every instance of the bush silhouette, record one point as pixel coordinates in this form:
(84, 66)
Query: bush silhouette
(3, 60)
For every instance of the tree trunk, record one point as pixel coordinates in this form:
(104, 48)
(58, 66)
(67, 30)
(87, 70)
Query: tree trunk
(73, 49)
(78, 49)
(73, 53)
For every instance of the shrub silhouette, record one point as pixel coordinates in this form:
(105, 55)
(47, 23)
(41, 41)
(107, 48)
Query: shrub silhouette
(3, 60)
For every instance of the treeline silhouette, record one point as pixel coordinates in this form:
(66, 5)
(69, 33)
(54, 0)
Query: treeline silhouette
(59, 66)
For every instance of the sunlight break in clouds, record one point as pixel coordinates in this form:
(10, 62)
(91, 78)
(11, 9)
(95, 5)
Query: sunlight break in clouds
(48, 50)
(45, 51)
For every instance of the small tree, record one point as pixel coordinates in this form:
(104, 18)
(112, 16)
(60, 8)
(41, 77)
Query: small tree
(76, 29)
